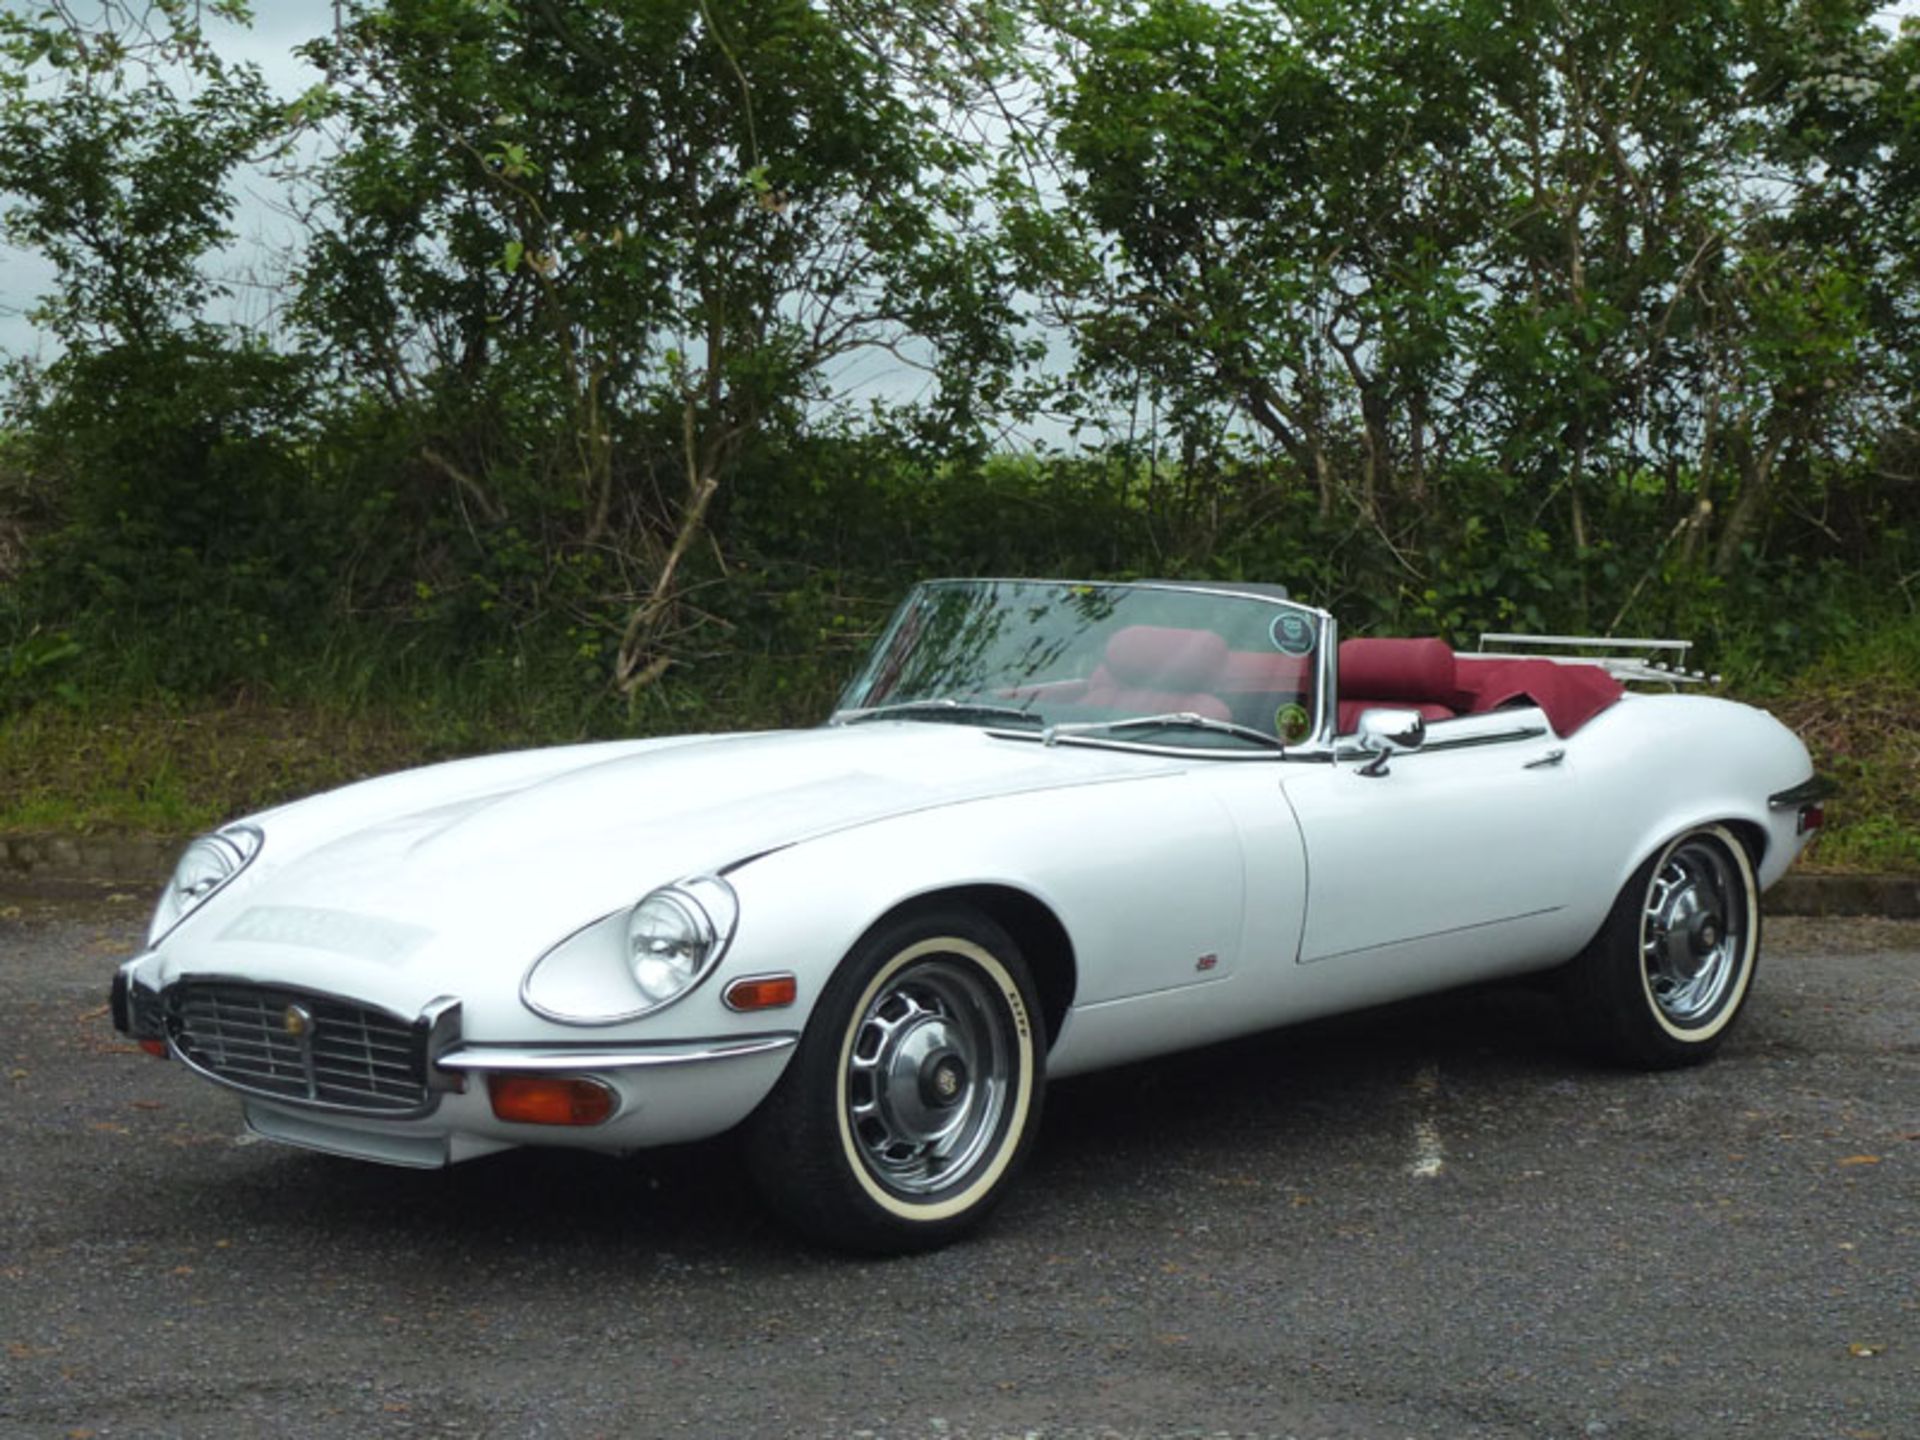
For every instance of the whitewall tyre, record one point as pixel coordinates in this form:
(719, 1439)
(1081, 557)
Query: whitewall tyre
(1669, 972)
(914, 1093)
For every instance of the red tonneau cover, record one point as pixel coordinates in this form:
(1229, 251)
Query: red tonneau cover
(1424, 674)
(1571, 695)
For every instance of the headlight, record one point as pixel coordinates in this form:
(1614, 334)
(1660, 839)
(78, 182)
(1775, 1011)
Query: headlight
(675, 936)
(207, 866)
(633, 962)
(668, 941)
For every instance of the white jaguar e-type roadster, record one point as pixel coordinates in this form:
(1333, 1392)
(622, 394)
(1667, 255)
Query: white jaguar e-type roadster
(1052, 827)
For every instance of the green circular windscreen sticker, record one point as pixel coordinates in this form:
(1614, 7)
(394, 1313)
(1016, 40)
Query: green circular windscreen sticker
(1291, 722)
(1293, 634)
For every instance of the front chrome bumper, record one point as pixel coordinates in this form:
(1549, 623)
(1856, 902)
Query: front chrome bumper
(667, 1091)
(565, 1060)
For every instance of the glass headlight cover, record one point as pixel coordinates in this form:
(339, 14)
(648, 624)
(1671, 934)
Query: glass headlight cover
(636, 961)
(205, 868)
(668, 941)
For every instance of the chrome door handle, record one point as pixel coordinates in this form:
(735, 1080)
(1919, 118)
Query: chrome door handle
(1552, 757)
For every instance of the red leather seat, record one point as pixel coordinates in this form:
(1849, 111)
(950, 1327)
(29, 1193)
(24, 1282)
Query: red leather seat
(1155, 669)
(1398, 674)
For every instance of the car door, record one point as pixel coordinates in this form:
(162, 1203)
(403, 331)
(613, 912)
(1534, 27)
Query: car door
(1456, 860)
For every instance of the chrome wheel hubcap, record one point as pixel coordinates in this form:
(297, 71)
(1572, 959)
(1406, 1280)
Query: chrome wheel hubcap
(1693, 933)
(928, 1077)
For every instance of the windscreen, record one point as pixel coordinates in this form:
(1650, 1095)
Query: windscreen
(1049, 653)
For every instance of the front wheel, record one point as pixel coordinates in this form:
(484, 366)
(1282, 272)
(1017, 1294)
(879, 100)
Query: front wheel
(1666, 977)
(914, 1092)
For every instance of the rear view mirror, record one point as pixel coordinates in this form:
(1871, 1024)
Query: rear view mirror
(1386, 733)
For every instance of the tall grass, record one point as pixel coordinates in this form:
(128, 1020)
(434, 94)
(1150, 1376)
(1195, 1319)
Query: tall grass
(1858, 709)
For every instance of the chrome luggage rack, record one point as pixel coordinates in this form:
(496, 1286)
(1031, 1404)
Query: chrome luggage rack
(1632, 661)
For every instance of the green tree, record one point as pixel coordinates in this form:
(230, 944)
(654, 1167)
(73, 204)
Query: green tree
(119, 136)
(1417, 245)
(159, 441)
(603, 251)
(1281, 197)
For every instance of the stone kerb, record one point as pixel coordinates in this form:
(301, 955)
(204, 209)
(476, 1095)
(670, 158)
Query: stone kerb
(120, 859)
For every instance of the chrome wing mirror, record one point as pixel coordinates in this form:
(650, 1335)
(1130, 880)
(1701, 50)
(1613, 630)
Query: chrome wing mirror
(1386, 733)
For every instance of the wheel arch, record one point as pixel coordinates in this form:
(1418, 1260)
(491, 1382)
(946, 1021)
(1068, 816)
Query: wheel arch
(1042, 939)
(1750, 830)
(1753, 836)
(1751, 833)
(1661, 765)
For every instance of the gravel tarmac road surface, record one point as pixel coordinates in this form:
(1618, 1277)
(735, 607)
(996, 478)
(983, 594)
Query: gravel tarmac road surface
(1432, 1221)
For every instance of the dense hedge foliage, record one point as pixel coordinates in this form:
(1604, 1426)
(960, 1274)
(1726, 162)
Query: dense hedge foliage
(303, 584)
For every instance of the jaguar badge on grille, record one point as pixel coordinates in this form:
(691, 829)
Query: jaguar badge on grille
(309, 1048)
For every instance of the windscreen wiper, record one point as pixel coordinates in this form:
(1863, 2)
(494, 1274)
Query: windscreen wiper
(943, 707)
(1181, 720)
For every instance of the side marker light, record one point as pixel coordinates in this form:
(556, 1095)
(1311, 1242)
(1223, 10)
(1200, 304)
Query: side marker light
(761, 992)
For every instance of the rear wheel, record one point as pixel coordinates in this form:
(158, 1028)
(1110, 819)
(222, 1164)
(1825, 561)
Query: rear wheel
(1667, 975)
(914, 1092)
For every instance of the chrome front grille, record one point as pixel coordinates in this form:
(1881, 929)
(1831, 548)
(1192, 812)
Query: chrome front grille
(295, 1045)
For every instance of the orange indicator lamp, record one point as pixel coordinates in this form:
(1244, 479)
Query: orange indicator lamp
(547, 1100)
(761, 992)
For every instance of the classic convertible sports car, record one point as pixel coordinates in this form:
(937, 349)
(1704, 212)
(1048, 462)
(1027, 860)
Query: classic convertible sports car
(1052, 827)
